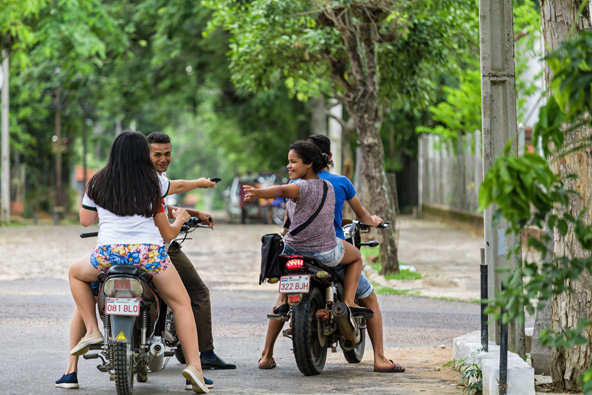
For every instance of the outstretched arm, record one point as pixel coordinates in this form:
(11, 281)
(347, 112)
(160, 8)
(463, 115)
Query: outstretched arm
(182, 186)
(289, 191)
(362, 214)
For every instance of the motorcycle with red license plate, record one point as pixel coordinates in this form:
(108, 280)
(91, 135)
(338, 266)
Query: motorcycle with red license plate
(137, 324)
(318, 317)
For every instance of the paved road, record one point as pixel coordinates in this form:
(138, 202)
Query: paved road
(35, 307)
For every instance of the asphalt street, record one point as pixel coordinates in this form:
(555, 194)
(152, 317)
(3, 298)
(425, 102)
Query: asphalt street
(36, 306)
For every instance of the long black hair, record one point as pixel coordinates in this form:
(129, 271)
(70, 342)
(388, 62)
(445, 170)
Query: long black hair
(310, 153)
(128, 184)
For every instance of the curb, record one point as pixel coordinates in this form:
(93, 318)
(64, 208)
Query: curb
(466, 350)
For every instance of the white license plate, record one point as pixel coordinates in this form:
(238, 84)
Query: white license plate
(295, 284)
(122, 306)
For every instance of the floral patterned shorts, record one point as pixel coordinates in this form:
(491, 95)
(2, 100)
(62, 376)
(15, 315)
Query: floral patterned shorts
(152, 258)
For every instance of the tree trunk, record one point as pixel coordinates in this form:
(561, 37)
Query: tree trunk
(557, 18)
(357, 29)
(378, 186)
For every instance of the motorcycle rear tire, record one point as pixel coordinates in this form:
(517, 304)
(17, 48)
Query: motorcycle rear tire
(355, 354)
(123, 366)
(180, 355)
(309, 352)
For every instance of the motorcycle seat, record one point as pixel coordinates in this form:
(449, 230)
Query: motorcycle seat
(125, 269)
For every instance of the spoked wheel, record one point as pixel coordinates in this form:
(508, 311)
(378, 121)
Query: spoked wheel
(354, 354)
(124, 378)
(309, 343)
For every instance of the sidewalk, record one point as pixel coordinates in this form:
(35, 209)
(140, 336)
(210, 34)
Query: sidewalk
(448, 260)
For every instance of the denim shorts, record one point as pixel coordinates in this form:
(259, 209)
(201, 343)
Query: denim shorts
(364, 289)
(329, 258)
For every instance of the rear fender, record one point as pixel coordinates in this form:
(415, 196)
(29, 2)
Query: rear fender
(121, 328)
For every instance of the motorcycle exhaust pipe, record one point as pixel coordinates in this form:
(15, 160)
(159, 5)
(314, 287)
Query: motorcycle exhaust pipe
(345, 322)
(156, 356)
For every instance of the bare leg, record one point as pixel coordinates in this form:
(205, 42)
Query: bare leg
(273, 331)
(77, 331)
(353, 260)
(375, 332)
(82, 273)
(173, 292)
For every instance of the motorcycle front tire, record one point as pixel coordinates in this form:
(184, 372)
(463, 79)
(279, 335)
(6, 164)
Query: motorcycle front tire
(310, 353)
(123, 366)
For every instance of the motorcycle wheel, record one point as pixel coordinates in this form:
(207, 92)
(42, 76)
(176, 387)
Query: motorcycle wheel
(356, 353)
(123, 366)
(179, 354)
(310, 349)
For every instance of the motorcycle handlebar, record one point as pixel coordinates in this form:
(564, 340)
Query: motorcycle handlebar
(384, 225)
(192, 222)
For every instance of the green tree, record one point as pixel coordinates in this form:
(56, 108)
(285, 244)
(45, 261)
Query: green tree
(343, 49)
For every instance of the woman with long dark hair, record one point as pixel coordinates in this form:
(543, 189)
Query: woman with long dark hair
(126, 196)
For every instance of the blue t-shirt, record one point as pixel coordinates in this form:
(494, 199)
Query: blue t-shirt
(344, 191)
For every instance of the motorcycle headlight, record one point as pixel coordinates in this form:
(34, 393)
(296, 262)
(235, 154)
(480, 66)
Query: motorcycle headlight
(123, 287)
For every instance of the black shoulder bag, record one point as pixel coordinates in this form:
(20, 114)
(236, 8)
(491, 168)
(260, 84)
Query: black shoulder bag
(272, 245)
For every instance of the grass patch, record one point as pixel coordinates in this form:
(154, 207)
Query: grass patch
(391, 291)
(473, 301)
(402, 275)
(371, 252)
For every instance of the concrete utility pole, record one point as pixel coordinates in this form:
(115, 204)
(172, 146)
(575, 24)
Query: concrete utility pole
(498, 103)
(336, 136)
(5, 161)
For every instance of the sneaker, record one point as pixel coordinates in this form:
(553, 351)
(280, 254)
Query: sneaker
(209, 384)
(68, 381)
(82, 346)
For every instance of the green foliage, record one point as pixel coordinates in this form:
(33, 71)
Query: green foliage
(471, 374)
(527, 192)
(142, 65)
(16, 33)
(460, 113)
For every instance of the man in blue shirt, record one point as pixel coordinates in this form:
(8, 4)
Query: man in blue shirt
(344, 192)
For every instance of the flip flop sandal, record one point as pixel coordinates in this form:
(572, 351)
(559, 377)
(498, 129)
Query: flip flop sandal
(267, 367)
(396, 368)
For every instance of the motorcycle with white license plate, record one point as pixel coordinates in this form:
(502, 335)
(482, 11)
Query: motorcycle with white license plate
(318, 317)
(137, 325)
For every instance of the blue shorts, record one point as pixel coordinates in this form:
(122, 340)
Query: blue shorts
(329, 258)
(364, 289)
(95, 285)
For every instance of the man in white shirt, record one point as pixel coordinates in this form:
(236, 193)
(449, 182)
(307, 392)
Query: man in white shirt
(161, 154)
